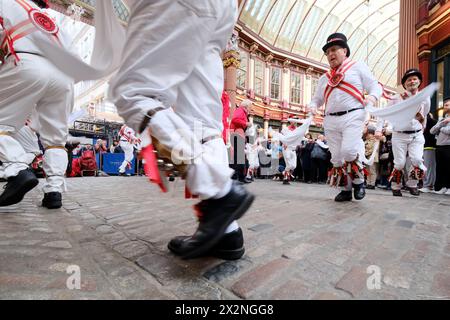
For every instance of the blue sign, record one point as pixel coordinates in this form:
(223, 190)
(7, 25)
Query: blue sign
(113, 161)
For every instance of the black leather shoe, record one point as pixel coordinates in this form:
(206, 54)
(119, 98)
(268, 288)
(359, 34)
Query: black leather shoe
(17, 187)
(359, 191)
(245, 180)
(397, 193)
(215, 215)
(414, 191)
(344, 196)
(286, 182)
(229, 247)
(52, 200)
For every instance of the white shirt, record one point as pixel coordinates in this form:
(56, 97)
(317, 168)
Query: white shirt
(13, 14)
(127, 134)
(360, 76)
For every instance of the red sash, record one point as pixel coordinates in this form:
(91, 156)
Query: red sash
(336, 81)
(37, 21)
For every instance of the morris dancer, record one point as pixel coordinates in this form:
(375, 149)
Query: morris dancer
(341, 91)
(29, 80)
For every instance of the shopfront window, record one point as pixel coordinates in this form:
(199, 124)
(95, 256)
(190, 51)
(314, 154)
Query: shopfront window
(242, 71)
(275, 84)
(259, 77)
(296, 88)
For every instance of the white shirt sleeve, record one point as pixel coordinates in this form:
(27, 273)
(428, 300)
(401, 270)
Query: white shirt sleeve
(318, 100)
(370, 84)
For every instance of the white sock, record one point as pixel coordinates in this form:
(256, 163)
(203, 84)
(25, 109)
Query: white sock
(232, 227)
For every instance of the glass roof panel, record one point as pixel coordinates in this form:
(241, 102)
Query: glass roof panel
(290, 27)
(120, 8)
(274, 20)
(302, 26)
(255, 12)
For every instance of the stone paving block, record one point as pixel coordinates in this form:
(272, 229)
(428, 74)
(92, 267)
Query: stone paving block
(19, 242)
(339, 257)
(328, 237)
(260, 227)
(354, 281)
(162, 268)
(398, 276)
(193, 288)
(149, 294)
(58, 245)
(326, 296)
(22, 281)
(413, 257)
(300, 251)
(405, 224)
(291, 290)
(131, 250)
(441, 285)
(59, 281)
(226, 270)
(431, 228)
(249, 282)
(104, 228)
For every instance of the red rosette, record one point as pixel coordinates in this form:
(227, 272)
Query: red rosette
(336, 79)
(43, 22)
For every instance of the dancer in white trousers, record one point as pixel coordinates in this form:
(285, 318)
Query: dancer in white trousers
(341, 90)
(127, 142)
(290, 139)
(408, 139)
(172, 58)
(29, 80)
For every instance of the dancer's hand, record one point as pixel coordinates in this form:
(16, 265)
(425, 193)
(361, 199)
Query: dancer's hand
(311, 111)
(378, 135)
(370, 100)
(419, 117)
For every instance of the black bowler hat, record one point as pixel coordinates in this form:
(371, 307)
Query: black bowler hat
(410, 73)
(42, 3)
(447, 98)
(337, 39)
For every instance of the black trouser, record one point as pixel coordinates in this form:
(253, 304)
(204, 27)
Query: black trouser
(442, 168)
(238, 159)
(319, 170)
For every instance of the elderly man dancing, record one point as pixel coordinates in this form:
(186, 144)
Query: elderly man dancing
(341, 90)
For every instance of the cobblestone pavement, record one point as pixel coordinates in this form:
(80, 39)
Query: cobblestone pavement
(300, 244)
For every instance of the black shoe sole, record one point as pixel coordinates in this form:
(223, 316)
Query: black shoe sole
(237, 214)
(52, 206)
(349, 200)
(235, 254)
(20, 194)
(229, 254)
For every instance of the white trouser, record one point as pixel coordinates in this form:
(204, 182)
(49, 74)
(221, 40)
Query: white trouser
(253, 160)
(344, 137)
(128, 149)
(29, 141)
(290, 157)
(404, 144)
(34, 83)
(172, 59)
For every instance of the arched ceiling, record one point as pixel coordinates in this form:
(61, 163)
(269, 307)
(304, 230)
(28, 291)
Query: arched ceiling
(120, 8)
(301, 27)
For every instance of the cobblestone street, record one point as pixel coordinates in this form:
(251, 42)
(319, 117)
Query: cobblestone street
(300, 244)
